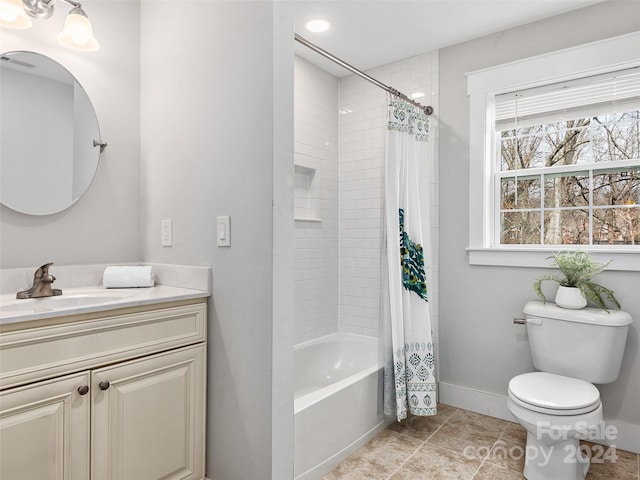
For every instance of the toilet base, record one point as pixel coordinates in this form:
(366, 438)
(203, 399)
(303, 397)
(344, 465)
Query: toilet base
(557, 460)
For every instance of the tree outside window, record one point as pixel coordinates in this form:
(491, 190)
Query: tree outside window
(572, 181)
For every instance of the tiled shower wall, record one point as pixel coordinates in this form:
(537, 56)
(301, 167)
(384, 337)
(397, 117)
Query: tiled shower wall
(361, 137)
(316, 242)
(338, 258)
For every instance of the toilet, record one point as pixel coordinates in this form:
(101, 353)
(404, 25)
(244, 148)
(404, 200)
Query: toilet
(558, 404)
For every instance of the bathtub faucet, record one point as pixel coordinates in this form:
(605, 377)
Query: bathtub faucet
(41, 285)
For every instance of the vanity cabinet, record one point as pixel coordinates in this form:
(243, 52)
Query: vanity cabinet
(117, 397)
(147, 418)
(44, 430)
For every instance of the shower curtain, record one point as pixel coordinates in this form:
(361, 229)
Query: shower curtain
(409, 377)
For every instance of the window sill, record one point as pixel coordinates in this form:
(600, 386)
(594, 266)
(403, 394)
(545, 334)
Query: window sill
(627, 259)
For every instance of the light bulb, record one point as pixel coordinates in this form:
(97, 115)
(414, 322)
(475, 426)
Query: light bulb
(8, 16)
(79, 38)
(12, 14)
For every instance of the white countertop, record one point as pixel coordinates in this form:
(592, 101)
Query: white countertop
(89, 300)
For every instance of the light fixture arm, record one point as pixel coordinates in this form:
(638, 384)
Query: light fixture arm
(44, 8)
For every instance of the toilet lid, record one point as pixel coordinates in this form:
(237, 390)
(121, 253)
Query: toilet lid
(554, 394)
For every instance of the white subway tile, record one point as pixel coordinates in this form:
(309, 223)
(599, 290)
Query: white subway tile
(350, 191)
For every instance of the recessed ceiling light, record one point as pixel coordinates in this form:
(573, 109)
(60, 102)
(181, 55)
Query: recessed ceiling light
(318, 25)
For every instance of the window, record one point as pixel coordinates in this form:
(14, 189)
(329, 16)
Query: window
(555, 156)
(567, 166)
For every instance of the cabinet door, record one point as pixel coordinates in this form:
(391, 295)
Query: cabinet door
(44, 430)
(148, 417)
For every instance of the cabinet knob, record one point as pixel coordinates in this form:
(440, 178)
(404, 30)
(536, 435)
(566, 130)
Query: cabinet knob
(104, 385)
(83, 389)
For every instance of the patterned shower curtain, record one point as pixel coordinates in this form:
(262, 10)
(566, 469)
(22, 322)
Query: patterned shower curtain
(410, 384)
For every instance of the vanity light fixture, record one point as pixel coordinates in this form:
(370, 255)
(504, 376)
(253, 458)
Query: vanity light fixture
(77, 32)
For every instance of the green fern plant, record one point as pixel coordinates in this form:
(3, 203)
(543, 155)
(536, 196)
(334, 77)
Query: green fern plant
(578, 269)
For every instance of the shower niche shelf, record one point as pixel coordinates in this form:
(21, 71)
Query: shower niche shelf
(306, 203)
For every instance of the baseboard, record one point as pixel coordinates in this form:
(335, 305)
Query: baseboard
(486, 403)
(628, 435)
(494, 405)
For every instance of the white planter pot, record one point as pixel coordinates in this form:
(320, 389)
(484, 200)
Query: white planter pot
(570, 297)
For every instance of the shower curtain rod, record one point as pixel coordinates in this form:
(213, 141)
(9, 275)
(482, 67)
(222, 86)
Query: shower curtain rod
(428, 110)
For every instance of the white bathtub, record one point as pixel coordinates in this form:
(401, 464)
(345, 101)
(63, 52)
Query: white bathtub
(338, 401)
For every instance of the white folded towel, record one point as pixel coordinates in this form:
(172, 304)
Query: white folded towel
(127, 277)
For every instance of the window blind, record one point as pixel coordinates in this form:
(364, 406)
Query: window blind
(615, 91)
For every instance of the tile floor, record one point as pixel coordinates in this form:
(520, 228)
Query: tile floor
(459, 444)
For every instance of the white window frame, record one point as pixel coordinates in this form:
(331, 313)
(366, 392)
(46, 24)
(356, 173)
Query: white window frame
(595, 58)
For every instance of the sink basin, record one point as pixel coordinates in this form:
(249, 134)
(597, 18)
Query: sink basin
(45, 304)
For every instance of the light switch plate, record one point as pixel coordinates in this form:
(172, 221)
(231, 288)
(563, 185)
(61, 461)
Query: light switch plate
(166, 233)
(223, 231)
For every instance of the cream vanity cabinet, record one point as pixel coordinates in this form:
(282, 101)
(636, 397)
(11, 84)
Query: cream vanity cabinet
(112, 396)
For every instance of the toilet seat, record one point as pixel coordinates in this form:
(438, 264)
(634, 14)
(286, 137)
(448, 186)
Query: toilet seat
(553, 394)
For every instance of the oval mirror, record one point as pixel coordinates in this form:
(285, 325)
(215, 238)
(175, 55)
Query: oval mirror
(48, 156)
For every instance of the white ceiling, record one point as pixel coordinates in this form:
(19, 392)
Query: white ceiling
(368, 33)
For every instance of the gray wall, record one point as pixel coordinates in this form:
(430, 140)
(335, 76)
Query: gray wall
(219, 143)
(217, 126)
(211, 84)
(480, 347)
(103, 226)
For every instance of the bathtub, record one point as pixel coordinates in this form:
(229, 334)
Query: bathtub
(337, 401)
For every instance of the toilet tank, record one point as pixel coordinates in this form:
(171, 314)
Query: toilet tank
(586, 344)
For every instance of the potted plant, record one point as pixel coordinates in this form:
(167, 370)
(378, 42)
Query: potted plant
(577, 287)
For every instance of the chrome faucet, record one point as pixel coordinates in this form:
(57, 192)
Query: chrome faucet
(41, 285)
